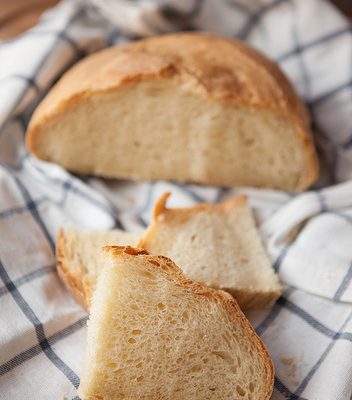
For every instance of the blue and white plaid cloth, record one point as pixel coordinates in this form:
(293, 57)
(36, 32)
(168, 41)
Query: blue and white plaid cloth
(308, 235)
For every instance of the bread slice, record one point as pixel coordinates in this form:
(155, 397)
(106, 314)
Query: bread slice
(173, 107)
(77, 258)
(216, 244)
(153, 334)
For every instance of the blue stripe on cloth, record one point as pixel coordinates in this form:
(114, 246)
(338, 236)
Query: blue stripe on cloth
(314, 323)
(318, 131)
(29, 81)
(272, 315)
(190, 192)
(344, 284)
(330, 93)
(316, 366)
(285, 391)
(118, 224)
(283, 253)
(346, 217)
(306, 81)
(255, 17)
(283, 302)
(68, 186)
(321, 201)
(146, 205)
(13, 168)
(42, 62)
(148, 199)
(77, 50)
(37, 349)
(29, 277)
(45, 33)
(141, 221)
(20, 210)
(65, 185)
(34, 211)
(220, 195)
(314, 43)
(21, 119)
(112, 36)
(39, 329)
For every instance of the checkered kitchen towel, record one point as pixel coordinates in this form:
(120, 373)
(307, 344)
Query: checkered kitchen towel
(308, 235)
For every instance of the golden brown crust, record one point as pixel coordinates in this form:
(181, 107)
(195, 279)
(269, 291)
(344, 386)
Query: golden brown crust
(160, 206)
(215, 67)
(182, 214)
(243, 75)
(167, 267)
(228, 70)
(73, 280)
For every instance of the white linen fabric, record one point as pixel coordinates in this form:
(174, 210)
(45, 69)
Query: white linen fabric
(308, 235)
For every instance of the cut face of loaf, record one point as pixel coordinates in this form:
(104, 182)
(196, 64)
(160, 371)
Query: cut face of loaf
(153, 334)
(218, 245)
(186, 107)
(78, 261)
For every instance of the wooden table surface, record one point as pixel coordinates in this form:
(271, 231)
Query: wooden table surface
(16, 16)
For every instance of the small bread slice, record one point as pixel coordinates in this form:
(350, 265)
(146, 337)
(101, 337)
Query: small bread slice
(77, 258)
(216, 244)
(153, 334)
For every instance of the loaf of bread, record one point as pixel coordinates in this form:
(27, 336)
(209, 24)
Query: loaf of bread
(77, 258)
(186, 107)
(153, 334)
(216, 244)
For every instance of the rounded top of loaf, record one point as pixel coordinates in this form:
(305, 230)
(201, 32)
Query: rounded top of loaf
(224, 74)
(221, 68)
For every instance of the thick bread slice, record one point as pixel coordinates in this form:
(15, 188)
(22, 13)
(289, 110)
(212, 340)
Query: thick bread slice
(216, 244)
(153, 334)
(173, 107)
(77, 258)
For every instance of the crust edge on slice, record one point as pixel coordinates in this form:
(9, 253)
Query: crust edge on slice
(160, 209)
(74, 282)
(160, 205)
(70, 267)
